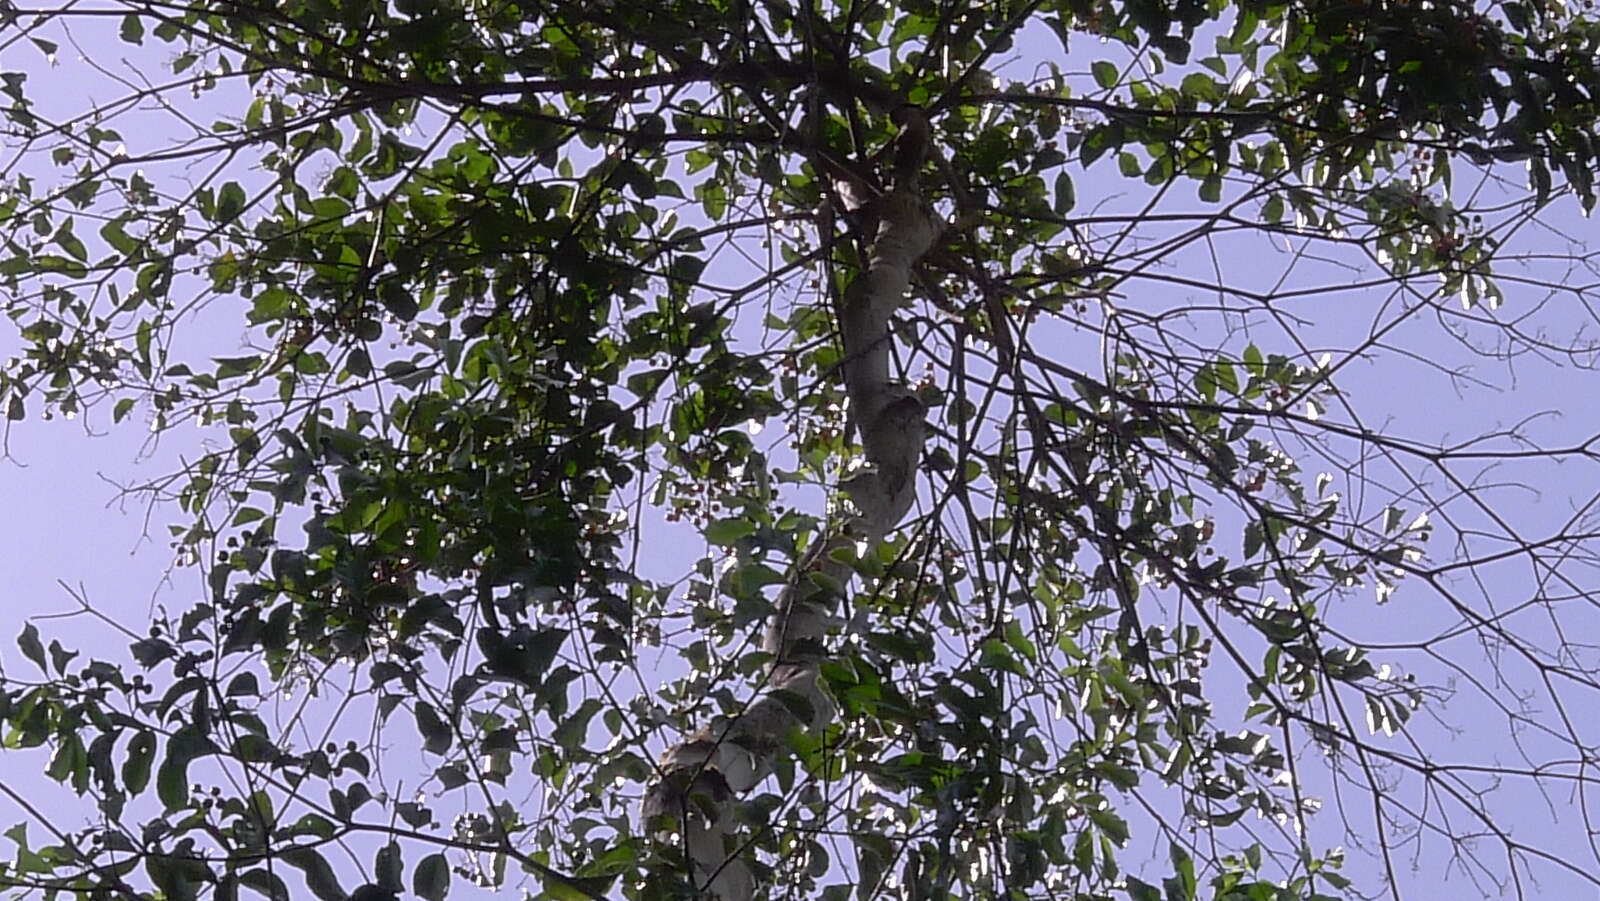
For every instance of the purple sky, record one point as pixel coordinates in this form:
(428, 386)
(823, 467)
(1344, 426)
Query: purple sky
(67, 524)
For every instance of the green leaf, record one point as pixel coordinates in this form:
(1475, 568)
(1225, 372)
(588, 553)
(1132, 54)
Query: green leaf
(1187, 882)
(436, 734)
(1272, 210)
(230, 202)
(320, 878)
(264, 881)
(728, 531)
(1199, 87)
(69, 758)
(398, 301)
(713, 199)
(1139, 890)
(389, 868)
(1218, 375)
(1254, 362)
(1539, 180)
(136, 769)
(69, 242)
(114, 234)
(151, 651)
(132, 31)
(31, 647)
(1066, 194)
(176, 876)
(1114, 827)
(172, 777)
(1105, 73)
(431, 881)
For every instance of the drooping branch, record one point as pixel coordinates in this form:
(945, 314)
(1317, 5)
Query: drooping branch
(702, 778)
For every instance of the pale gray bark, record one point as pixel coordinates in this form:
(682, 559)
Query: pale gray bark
(703, 777)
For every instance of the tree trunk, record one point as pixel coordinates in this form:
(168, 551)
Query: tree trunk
(702, 778)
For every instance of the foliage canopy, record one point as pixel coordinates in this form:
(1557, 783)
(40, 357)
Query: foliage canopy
(551, 396)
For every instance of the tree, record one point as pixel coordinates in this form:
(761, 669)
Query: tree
(946, 325)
